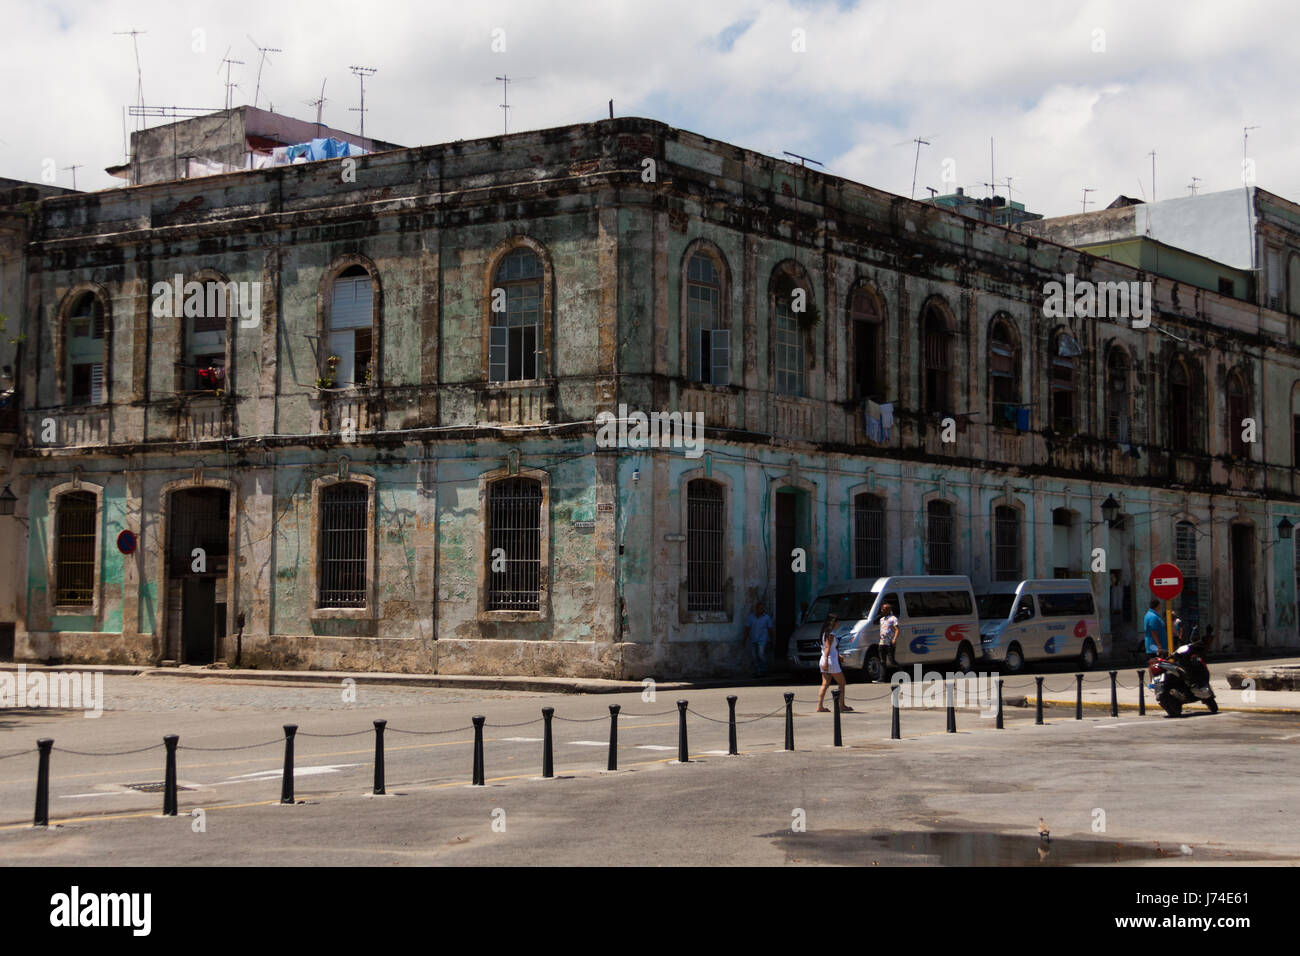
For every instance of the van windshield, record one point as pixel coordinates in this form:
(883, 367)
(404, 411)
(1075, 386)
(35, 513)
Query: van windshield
(846, 607)
(995, 607)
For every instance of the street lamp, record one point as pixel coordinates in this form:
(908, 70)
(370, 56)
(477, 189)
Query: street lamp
(1109, 509)
(1283, 529)
(7, 501)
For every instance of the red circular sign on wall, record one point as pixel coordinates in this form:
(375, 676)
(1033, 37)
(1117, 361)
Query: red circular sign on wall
(126, 542)
(1166, 581)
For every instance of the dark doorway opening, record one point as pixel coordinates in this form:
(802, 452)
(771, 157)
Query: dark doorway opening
(198, 560)
(7, 641)
(1243, 584)
(793, 588)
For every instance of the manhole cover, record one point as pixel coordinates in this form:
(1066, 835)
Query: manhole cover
(152, 787)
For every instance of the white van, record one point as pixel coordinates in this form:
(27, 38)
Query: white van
(936, 622)
(1044, 619)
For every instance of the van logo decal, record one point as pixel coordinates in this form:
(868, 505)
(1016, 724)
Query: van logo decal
(1050, 646)
(956, 633)
(1081, 629)
(921, 645)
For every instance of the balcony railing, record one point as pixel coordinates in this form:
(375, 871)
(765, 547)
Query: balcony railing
(524, 404)
(351, 411)
(203, 418)
(720, 406)
(797, 419)
(70, 426)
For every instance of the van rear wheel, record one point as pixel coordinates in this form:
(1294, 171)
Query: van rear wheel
(1014, 661)
(1089, 656)
(965, 661)
(873, 667)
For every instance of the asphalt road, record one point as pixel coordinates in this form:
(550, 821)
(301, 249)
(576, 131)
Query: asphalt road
(1149, 780)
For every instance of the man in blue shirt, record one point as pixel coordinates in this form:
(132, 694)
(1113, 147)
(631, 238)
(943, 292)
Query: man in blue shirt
(1153, 625)
(759, 625)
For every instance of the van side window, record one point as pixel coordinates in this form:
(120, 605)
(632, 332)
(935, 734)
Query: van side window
(1024, 610)
(938, 604)
(1065, 605)
(917, 605)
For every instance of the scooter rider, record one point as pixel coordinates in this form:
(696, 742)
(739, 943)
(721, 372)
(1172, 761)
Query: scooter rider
(1153, 627)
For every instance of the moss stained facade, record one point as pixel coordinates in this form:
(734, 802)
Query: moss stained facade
(430, 432)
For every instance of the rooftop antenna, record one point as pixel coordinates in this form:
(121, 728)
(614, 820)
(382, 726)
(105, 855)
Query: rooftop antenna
(319, 103)
(933, 192)
(1245, 157)
(505, 80)
(360, 72)
(229, 85)
(139, 74)
(74, 169)
(1086, 190)
(1192, 185)
(1152, 154)
(917, 162)
(263, 50)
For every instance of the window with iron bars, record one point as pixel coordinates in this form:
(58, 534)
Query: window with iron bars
(1006, 544)
(1185, 557)
(75, 540)
(343, 535)
(938, 538)
(705, 544)
(868, 536)
(514, 552)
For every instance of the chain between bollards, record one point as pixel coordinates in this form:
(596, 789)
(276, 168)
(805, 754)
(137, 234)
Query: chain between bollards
(478, 780)
(379, 757)
(169, 776)
(42, 817)
(1038, 705)
(286, 785)
(949, 691)
(1114, 696)
(838, 740)
(732, 750)
(683, 754)
(1078, 697)
(789, 721)
(1142, 694)
(894, 732)
(548, 744)
(613, 736)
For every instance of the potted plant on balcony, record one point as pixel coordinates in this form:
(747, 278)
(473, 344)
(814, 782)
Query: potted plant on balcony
(330, 377)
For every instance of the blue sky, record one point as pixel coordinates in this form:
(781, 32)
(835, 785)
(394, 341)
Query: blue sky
(1074, 94)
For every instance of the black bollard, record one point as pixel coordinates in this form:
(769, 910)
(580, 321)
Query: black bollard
(683, 755)
(949, 689)
(169, 776)
(478, 780)
(42, 818)
(894, 732)
(1142, 694)
(999, 723)
(789, 721)
(1114, 696)
(613, 736)
(1038, 708)
(835, 695)
(1078, 697)
(548, 747)
(379, 757)
(286, 786)
(731, 730)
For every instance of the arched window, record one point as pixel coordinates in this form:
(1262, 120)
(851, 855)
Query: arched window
(868, 536)
(1004, 372)
(1180, 406)
(515, 340)
(1185, 556)
(1006, 544)
(705, 545)
(1238, 410)
(203, 343)
(1118, 406)
(76, 538)
(1295, 438)
(708, 348)
(1064, 362)
(514, 545)
(938, 362)
(866, 324)
(344, 533)
(938, 538)
(84, 337)
(1293, 284)
(351, 333)
(789, 362)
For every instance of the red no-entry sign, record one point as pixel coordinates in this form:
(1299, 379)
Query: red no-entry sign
(1166, 581)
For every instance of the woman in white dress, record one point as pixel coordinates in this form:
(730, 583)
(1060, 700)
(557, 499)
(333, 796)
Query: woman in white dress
(830, 667)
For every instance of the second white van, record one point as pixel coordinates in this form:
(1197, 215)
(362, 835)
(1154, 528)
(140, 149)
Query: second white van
(1045, 619)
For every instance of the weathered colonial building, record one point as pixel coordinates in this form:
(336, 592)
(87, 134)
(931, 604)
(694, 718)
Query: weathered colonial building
(380, 450)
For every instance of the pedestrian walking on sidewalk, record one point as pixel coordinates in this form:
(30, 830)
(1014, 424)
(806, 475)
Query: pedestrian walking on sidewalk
(830, 667)
(758, 628)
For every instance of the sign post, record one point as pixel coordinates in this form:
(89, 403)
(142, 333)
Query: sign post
(1167, 583)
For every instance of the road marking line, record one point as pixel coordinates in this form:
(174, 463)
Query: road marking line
(588, 743)
(520, 740)
(654, 747)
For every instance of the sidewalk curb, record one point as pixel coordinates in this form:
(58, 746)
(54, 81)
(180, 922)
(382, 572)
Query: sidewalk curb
(1152, 705)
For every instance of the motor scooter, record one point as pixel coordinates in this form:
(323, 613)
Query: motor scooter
(1182, 679)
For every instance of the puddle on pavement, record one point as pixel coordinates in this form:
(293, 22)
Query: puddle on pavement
(973, 848)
